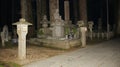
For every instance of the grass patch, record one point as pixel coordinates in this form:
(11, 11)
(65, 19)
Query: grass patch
(9, 64)
(9, 44)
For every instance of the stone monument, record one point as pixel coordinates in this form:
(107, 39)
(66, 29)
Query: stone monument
(45, 24)
(58, 26)
(4, 35)
(22, 30)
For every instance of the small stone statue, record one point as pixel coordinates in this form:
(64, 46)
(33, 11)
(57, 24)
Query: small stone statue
(56, 15)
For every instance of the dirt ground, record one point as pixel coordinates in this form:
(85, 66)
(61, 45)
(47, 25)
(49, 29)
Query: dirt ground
(34, 53)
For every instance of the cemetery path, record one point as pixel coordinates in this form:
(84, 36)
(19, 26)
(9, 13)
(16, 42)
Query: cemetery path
(106, 54)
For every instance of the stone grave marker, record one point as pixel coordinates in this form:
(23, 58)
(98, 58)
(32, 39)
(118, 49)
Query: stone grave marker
(4, 35)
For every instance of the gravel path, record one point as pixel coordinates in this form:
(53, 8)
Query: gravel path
(106, 54)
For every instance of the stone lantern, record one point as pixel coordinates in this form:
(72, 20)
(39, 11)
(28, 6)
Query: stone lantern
(22, 30)
(90, 27)
(83, 31)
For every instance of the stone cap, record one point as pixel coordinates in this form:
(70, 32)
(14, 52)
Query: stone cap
(22, 21)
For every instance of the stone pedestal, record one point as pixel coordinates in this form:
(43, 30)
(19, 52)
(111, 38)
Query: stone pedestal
(22, 30)
(58, 29)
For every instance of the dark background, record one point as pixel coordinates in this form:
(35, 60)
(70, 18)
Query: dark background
(10, 11)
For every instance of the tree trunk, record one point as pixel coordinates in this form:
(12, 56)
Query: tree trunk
(83, 10)
(118, 19)
(75, 10)
(41, 11)
(26, 12)
(53, 5)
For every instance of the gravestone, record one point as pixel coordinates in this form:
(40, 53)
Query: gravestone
(4, 35)
(90, 27)
(58, 26)
(45, 25)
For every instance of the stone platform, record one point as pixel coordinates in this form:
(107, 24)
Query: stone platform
(60, 44)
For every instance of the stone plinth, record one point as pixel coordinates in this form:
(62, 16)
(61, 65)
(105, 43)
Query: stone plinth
(60, 44)
(58, 30)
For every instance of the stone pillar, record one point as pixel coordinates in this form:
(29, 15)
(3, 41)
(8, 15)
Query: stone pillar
(53, 5)
(22, 30)
(66, 10)
(83, 10)
(83, 36)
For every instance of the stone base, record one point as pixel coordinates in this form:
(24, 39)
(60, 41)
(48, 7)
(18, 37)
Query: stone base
(60, 44)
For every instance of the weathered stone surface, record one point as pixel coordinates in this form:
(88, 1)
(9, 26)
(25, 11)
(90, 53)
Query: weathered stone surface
(4, 35)
(22, 30)
(60, 44)
(54, 4)
(58, 25)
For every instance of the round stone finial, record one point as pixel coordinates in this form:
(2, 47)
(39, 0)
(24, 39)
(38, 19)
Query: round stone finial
(22, 20)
